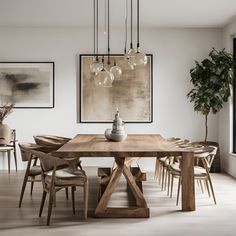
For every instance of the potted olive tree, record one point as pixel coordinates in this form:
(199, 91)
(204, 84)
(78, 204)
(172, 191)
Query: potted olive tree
(5, 131)
(212, 79)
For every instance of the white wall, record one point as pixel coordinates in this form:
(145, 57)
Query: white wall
(225, 118)
(174, 53)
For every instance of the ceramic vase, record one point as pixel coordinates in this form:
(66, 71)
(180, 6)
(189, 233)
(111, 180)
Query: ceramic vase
(5, 134)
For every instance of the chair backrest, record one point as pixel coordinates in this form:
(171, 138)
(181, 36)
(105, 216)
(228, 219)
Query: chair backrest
(50, 140)
(211, 156)
(26, 150)
(49, 162)
(207, 155)
(180, 142)
(13, 136)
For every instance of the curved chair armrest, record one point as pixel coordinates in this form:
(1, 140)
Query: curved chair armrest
(49, 162)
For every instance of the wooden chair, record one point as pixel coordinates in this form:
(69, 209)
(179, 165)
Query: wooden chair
(9, 148)
(161, 168)
(53, 143)
(160, 162)
(201, 173)
(55, 176)
(32, 170)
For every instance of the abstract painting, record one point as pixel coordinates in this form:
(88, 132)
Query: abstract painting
(27, 84)
(131, 94)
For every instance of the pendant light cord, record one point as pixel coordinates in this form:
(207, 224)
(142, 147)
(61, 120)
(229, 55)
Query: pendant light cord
(126, 26)
(105, 18)
(94, 46)
(131, 24)
(97, 29)
(108, 30)
(137, 23)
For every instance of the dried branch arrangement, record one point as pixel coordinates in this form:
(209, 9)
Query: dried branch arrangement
(5, 110)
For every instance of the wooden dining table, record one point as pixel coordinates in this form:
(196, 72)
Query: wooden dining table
(142, 145)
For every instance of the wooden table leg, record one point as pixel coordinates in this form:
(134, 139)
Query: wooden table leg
(138, 195)
(141, 211)
(188, 191)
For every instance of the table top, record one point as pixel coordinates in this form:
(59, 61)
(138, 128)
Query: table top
(96, 145)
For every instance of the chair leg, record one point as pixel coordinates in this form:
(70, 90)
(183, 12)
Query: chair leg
(67, 195)
(54, 199)
(207, 187)
(211, 186)
(23, 188)
(51, 196)
(155, 172)
(156, 169)
(32, 186)
(42, 203)
(178, 192)
(201, 186)
(9, 161)
(86, 186)
(163, 177)
(160, 173)
(168, 183)
(165, 180)
(14, 153)
(171, 186)
(73, 198)
(198, 183)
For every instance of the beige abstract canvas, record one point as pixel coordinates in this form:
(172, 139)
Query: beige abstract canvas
(132, 94)
(27, 84)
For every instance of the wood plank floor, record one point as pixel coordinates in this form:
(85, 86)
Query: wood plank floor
(166, 218)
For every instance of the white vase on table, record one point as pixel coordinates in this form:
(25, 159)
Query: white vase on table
(117, 133)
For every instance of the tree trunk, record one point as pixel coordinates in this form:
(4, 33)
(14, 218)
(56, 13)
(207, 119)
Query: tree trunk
(206, 128)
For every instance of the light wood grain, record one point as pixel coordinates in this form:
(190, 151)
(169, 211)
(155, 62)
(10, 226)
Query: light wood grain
(122, 166)
(96, 145)
(188, 182)
(115, 177)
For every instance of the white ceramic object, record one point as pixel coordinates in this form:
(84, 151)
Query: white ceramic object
(116, 137)
(117, 133)
(108, 134)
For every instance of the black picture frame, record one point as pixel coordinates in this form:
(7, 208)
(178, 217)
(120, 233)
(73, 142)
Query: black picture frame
(234, 98)
(80, 89)
(36, 64)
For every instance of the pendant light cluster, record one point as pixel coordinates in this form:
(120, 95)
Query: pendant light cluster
(137, 58)
(106, 74)
(126, 64)
(96, 65)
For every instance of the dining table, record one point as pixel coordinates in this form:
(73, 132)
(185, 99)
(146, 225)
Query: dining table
(135, 145)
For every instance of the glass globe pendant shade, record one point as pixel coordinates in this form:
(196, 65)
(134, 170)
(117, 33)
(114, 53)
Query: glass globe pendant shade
(98, 79)
(108, 79)
(139, 59)
(96, 66)
(131, 52)
(116, 71)
(104, 78)
(125, 64)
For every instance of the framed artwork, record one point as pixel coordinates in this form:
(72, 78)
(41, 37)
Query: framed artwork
(27, 84)
(132, 94)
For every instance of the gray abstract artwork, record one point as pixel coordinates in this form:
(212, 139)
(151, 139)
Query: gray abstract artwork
(27, 84)
(132, 94)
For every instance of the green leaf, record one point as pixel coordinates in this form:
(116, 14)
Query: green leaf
(212, 79)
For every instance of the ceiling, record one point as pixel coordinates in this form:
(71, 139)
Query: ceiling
(154, 13)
